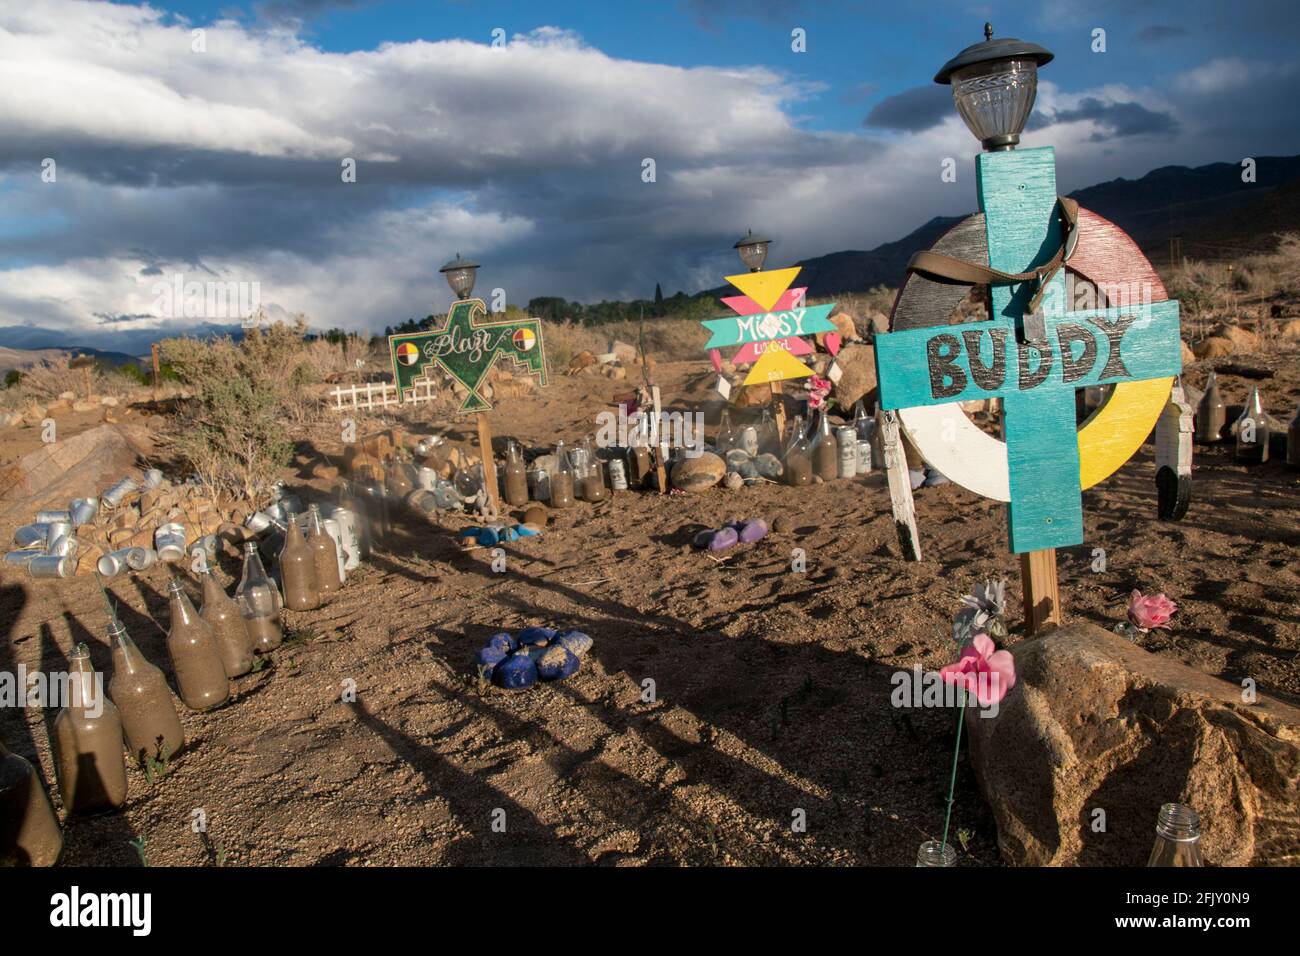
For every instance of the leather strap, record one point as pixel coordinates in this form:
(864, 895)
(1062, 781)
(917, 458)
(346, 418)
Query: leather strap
(938, 266)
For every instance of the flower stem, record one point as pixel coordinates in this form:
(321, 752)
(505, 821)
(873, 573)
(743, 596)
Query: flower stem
(952, 781)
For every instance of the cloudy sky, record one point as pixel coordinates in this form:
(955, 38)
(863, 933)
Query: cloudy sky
(207, 141)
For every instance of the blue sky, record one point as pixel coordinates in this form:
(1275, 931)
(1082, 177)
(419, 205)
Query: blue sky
(222, 163)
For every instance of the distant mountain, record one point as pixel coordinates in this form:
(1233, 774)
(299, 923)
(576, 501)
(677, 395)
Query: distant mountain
(1208, 209)
(116, 347)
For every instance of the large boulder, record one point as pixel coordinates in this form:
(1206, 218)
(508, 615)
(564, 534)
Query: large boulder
(858, 363)
(1096, 723)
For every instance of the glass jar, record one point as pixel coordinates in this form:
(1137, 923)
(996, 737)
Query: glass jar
(1178, 837)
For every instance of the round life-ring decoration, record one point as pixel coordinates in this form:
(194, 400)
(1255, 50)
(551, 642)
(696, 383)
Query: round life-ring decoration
(956, 446)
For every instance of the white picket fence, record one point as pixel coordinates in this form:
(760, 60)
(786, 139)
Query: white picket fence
(373, 395)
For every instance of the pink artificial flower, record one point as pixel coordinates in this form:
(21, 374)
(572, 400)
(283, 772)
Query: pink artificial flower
(983, 670)
(818, 389)
(1146, 612)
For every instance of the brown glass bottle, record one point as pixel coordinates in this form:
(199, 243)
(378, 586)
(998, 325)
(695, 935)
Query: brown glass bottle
(515, 476)
(798, 457)
(259, 602)
(227, 623)
(144, 701)
(825, 450)
(562, 479)
(200, 676)
(29, 830)
(298, 572)
(1252, 431)
(88, 743)
(325, 557)
(1211, 413)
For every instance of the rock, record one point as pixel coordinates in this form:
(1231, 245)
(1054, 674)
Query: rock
(536, 635)
(783, 524)
(858, 363)
(623, 352)
(1095, 722)
(515, 672)
(1214, 347)
(700, 473)
(109, 400)
(617, 372)
(85, 406)
(582, 360)
(576, 642)
(755, 529)
(1243, 339)
(723, 539)
(557, 663)
(1289, 330)
(11, 419)
(879, 322)
(733, 481)
(1188, 355)
(769, 466)
(535, 515)
(67, 396)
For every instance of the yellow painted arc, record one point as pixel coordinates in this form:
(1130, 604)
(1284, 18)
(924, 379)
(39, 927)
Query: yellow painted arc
(776, 365)
(1118, 429)
(765, 288)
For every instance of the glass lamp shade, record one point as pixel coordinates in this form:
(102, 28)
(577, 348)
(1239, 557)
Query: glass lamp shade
(995, 98)
(753, 251)
(461, 282)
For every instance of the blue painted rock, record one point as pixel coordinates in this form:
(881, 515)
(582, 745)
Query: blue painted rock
(515, 672)
(504, 641)
(537, 635)
(755, 529)
(487, 537)
(575, 642)
(488, 659)
(749, 472)
(557, 663)
(769, 466)
(736, 458)
(723, 539)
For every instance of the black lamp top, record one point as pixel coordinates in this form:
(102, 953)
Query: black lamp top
(1007, 48)
(458, 263)
(750, 239)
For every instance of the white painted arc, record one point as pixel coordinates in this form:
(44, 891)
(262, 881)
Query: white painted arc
(973, 458)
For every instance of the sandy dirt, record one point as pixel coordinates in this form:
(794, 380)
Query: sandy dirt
(771, 687)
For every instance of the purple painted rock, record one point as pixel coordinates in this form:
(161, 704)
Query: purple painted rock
(704, 538)
(723, 539)
(755, 529)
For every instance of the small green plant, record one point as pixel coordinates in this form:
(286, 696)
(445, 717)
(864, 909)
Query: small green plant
(138, 845)
(259, 662)
(964, 837)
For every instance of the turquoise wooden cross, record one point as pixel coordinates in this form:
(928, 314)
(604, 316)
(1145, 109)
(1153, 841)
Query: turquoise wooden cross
(1035, 378)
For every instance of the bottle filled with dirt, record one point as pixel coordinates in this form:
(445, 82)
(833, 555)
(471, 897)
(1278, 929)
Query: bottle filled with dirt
(227, 623)
(88, 743)
(29, 830)
(325, 557)
(298, 571)
(797, 458)
(144, 701)
(1211, 413)
(562, 479)
(196, 661)
(1252, 431)
(825, 449)
(769, 436)
(515, 476)
(259, 602)
(727, 438)
(592, 481)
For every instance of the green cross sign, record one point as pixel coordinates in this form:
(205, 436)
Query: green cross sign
(466, 347)
(1036, 380)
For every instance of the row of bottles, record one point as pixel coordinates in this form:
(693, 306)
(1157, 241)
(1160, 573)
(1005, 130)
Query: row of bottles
(824, 452)
(1252, 430)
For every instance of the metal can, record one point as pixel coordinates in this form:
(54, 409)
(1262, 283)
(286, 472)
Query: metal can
(65, 546)
(31, 535)
(83, 510)
(22, 557)
(335, 531)
(426, 478)
(153, 478)
(748, 441)
(349, 536)
(847, 438)
(169, 541)
(617, 474)
(114, 496)
(864, 457)
(113, 563)
(50, 566)
(50, 517)
(137, 559)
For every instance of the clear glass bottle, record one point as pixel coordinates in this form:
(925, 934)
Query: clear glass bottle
(797, 458)
(397, 478)
(325, 556)
(298, 570)
(150, 724)
(562, 479)
(200, 676)
(935, 853)
(1252, 431)
(29, 830)
(259, 602)
(88, 753)
(227, 623)
(592, 480)
(862, 424)
(727, 437)
(769, 436)
(1211, 413)
(825, 449)
(1178, 837)
(515, 476)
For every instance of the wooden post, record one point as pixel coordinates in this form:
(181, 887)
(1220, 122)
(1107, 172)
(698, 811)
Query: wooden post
(157, 369)
(778, 411)
(900, 486)
(1174, 456)
(661, 446)
(1042, 596)
(489, 463)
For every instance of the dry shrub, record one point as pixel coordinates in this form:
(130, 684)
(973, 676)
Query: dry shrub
(666, 340)
(234, 430)
(338, 361)
(48, 379)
